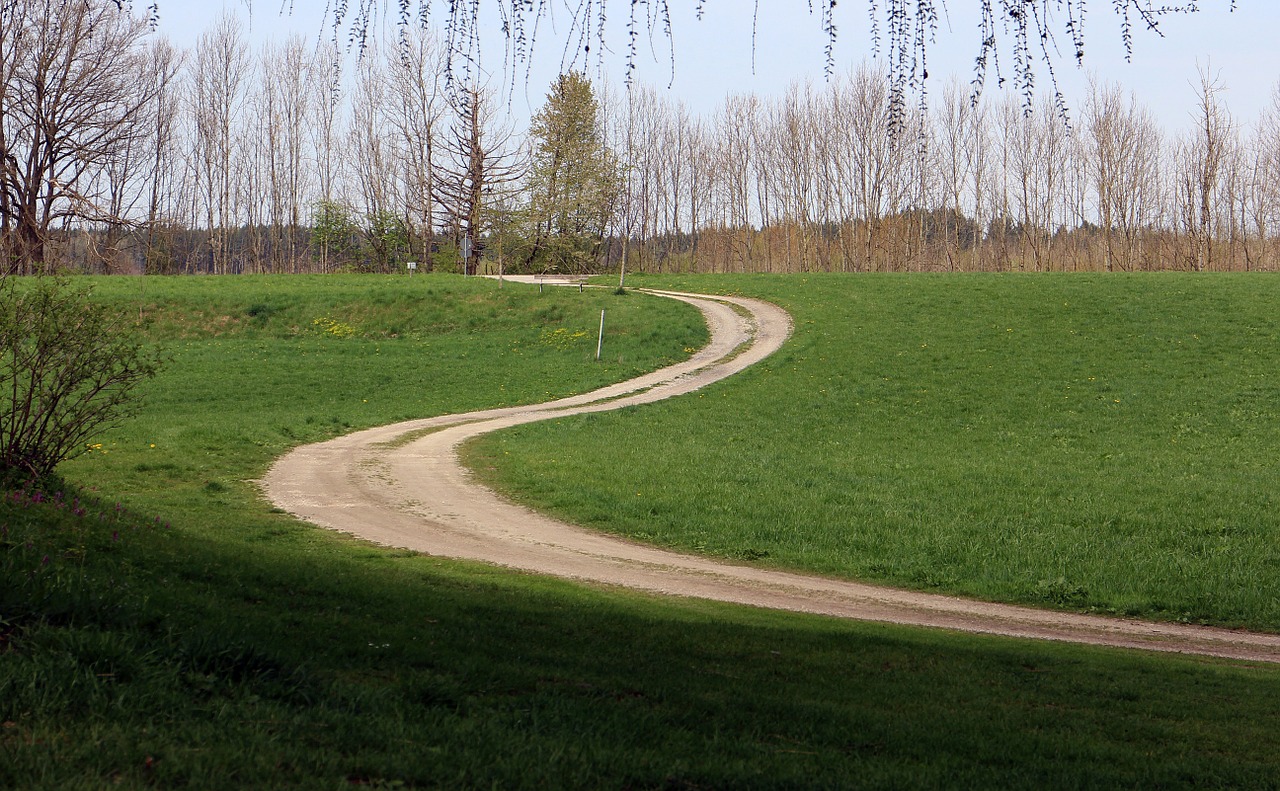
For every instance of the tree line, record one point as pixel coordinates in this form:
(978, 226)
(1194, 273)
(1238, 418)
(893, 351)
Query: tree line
(814, 180)
(123, 153)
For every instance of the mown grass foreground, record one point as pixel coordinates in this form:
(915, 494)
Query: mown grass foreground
(1108, 444)
(161, 626)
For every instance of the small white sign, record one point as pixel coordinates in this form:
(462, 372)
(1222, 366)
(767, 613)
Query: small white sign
(411, 265)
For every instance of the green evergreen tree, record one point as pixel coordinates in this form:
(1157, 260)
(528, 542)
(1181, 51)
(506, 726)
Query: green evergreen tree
(573, 180)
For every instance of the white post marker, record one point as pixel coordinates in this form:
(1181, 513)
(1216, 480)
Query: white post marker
(411, 265)
(600, 338)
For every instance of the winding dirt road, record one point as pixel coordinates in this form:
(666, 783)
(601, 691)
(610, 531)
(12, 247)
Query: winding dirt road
(402, 486)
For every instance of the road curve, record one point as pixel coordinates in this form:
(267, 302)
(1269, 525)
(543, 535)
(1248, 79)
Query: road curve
(403, 486)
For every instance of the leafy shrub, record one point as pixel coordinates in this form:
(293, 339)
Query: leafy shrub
(68, 369)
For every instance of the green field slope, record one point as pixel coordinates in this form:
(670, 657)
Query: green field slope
(1098, 443)
(161, 626)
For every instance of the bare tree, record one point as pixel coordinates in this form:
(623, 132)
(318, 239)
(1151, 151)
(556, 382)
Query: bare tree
(297, 67)
(371, 157)
(219, 80)
(1233, 202)
(280, 107)
(70, 104)
(736, 126)
(698, 182)
(872, 155)
(789, 154)
(1199, 162)
(956, 159)
(418, 107)
(164, 63)
(480, 166)
(117, 183)
(1123, 149)
(674, 172)
(1034, 146)
(326, 104)
(1078, 202)
(643, 138)
(1266, 176)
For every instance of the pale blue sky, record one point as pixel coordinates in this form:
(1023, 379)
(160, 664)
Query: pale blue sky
(713, 57)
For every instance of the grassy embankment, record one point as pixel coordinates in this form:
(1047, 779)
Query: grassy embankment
(1096, 443)
(163, 627)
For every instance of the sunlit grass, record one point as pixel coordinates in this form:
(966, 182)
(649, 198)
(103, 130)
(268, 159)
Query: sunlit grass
(247, 382)
(162, 626)
(1106, 443)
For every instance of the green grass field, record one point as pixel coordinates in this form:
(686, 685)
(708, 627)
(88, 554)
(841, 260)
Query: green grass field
(162, 626)
(1095, 443)
(261, 364)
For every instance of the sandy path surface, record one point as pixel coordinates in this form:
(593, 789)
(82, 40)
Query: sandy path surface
(402, 486)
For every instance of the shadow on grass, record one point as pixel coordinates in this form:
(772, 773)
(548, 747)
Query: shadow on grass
(312, 661)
